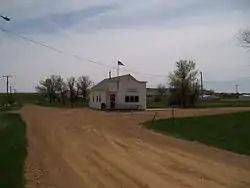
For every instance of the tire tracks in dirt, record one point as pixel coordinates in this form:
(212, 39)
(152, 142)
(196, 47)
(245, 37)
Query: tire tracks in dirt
(84, 148)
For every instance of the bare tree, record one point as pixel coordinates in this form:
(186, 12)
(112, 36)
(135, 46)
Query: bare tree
(48, 87)
(83, 85)
(245, 38)
(71, 86)
(184, 83)
(61, 88)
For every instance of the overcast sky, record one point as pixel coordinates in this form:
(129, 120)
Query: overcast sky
(148, 36)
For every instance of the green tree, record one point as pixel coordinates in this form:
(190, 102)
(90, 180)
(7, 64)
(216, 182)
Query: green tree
(245, 38)
(51, 87)
(48, 87)
(184, 84)
(161, 89)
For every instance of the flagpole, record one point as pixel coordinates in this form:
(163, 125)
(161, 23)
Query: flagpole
(117, 94)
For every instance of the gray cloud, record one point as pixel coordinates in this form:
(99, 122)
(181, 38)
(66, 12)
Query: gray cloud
(148, 36)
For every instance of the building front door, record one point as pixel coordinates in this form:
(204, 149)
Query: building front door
(112, 101)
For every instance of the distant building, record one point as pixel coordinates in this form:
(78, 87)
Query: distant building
(123, 92)
(244, 97)
(153, 93)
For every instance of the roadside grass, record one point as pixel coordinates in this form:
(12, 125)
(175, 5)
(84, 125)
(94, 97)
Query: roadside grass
(16, 106)
(19, 99)
(228, 131)
(76, 104)
(206, 104)
(39, 99)
(224, 103)
(24, 97)
(151, 104)
(35, 98)
(13, 150)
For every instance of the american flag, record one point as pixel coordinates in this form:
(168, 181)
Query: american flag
(120, 63)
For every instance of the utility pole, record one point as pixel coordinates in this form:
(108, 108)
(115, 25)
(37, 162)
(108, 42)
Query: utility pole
(7, 83)
(236, 88)
(10, 89)
(201, 85)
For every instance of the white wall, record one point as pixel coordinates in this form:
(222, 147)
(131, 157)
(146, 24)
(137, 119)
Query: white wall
(127, 86)
(139, 90)
(93, 102)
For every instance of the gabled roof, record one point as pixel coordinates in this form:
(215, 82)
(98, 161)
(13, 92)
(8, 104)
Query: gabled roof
(104, 84)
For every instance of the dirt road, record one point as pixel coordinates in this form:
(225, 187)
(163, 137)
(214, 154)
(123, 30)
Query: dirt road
(81, 148)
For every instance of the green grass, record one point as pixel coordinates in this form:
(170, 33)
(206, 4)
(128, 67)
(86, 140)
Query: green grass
(35, 98)
(23, 97)
(76, 104)
(10, 108)
(151, 104)
(13, 150)
(228, 131)
(221, 104)
(19, 100)
(206, 104)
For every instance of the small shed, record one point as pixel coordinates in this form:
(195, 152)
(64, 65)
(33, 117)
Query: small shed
(123, 92)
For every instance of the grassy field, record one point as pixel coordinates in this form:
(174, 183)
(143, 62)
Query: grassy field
(206, 104)
(36, 98)
(224, 103)
(151, 104)
(76, 104)
(228, 131)
(23, 97)
(13, 150)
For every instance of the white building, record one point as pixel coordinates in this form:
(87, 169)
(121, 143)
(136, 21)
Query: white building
(123, 92)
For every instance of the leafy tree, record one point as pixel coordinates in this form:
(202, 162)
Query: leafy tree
(48, 87)
(83, 85)
(52, 86)
(184, 84)
(161, 89)
(55, 88)
(245, 38)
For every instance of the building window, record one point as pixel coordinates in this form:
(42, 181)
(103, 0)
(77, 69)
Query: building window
(136, 98)
(131, 98)
(100, 99)
(126, 98)
(96, 98)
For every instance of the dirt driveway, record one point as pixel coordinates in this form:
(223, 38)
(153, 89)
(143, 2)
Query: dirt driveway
(81, 148)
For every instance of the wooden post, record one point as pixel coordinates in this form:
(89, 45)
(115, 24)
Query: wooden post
(154, 117)
(172, 115)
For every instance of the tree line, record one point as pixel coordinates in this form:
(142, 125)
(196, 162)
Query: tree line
(183, 85)
(58, 89)
(245, 38)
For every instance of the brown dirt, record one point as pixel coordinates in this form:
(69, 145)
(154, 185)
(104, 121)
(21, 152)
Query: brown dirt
(84, 148)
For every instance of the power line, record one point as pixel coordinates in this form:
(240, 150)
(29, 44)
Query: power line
(73, 55)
